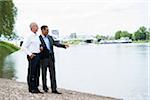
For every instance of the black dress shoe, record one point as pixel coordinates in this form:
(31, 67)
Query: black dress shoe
(33, 91)
(56, 92)
(39, 91)
(45, 90)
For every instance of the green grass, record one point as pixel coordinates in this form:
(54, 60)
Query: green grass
(73, 42)
(9, 46)
(142, 41)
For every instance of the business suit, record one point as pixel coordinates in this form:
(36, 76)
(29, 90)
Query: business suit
(48, 61)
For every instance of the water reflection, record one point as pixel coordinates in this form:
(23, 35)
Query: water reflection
(7, 69)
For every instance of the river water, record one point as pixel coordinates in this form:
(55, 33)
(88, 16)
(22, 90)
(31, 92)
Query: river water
(117, 70)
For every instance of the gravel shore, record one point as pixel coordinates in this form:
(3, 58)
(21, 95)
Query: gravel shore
(12, 90)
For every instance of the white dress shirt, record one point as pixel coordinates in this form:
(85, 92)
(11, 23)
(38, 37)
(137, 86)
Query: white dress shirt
(31, 44)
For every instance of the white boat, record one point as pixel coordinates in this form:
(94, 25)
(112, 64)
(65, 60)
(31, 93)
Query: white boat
(121, 40)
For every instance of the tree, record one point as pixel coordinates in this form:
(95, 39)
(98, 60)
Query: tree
(8, 13)
(140, 34)
(101, 37)
(148, 34)
(118, 35)
(98, 36)
(126, 34)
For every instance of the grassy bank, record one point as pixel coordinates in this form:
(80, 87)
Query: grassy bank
(72, 42)
(9, 46)
(142, 41)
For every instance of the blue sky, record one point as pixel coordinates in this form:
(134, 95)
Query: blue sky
(103, 17)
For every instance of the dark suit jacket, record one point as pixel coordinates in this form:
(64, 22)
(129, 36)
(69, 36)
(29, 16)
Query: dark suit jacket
(45, 53)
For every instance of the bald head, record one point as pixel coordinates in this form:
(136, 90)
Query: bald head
(34, 27)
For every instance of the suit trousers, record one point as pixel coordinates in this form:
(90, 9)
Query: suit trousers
(48, 63)
(33, 72)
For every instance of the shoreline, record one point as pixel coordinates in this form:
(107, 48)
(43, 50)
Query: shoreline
(10, 89)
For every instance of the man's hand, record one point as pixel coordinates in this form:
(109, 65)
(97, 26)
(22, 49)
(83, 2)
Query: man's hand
(33, 55)
(41, 48)
(66, 46)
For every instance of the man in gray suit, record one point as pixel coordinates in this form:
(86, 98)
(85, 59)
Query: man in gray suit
(47, 58)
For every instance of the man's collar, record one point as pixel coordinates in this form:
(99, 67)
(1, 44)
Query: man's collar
(34, 33)
(43, 35)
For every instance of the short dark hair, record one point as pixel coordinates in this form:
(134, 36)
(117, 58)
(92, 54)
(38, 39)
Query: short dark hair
(44, 27)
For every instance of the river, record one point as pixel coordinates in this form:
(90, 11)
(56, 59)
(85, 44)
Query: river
(117, 70)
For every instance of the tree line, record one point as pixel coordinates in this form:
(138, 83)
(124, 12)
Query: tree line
(141, 34)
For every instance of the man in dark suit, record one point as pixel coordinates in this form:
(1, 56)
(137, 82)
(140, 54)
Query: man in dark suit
(47, 58)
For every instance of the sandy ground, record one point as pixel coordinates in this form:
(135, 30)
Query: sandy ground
(12, 90)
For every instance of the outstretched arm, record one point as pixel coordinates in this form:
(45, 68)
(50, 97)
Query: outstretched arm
(56, 43)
